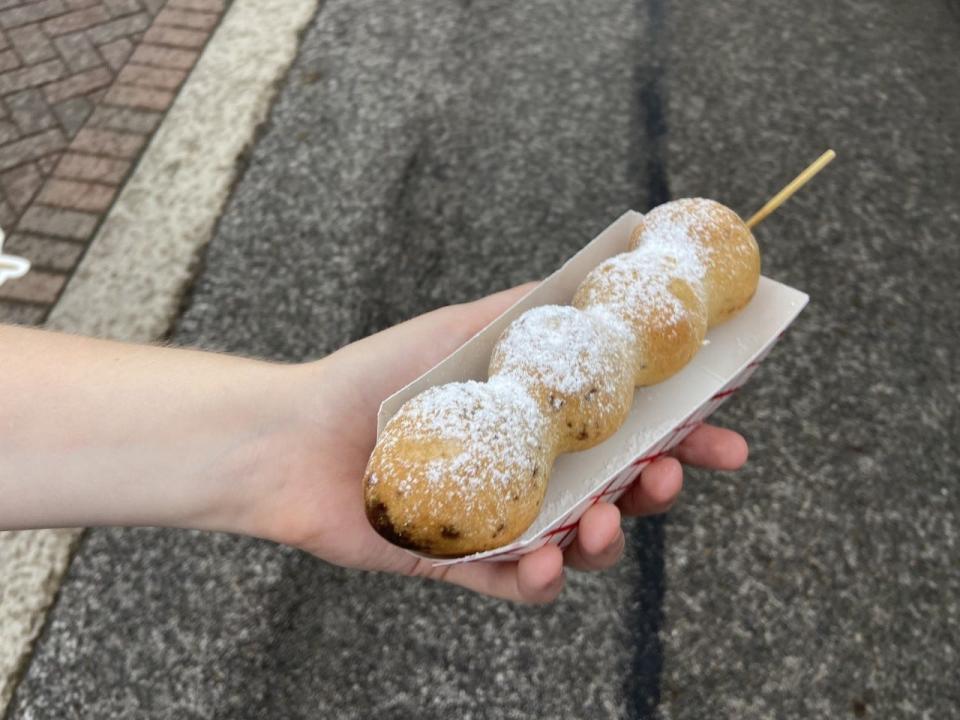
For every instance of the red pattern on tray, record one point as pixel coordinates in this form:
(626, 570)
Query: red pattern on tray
(613, 490)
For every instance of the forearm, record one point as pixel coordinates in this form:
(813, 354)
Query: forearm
(102, 433)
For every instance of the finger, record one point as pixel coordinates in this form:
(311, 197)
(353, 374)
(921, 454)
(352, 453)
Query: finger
(540, 575)
(493, 305)
(599, 542)
(713, 448)
(421, 342)
(656, 490)
(535, 579)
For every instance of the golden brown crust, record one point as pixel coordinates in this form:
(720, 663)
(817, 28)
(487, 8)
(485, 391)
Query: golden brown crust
(459, 469)
(731, 254)
(463, 467)
(576, 365)
(667, 340)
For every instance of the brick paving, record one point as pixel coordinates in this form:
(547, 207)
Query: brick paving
(84, 84)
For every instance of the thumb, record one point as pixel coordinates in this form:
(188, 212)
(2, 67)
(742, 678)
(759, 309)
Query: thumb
(472, 317)
(391, 358)
(446, 329)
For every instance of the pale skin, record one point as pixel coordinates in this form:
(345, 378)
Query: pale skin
(97, 433)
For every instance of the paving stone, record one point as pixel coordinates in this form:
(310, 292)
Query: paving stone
(48, 162)
(20, 185)
(116, 53)
(7, 214)
(154, 6)
(31, 12)
(107, 142)
(59, 223)
(30, 111)
(163, 57)
(77, 20)
(73, 113)
(121, 27)
(31, 76)
(17, 313)
(32, 44)
(187, 19)
(125, 119)
(91, 167)
(37, 286)
(79, 84)
(214, 6)
(31, 148)
(139, 97)
(176, 37)
(77, 195)
(118, 8)
(78, 52)
(147, 76)
(8, 131)
(8, 60)
(45, 253)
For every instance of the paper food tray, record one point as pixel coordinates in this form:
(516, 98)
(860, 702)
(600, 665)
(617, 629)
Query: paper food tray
(662, 415)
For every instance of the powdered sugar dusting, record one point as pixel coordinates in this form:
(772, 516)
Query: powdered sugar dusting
(465, 439)
(677, 225)
(673, 227)
(614, 323)
(487, 433)
(494, 431)
(562, 349)
(636, 285)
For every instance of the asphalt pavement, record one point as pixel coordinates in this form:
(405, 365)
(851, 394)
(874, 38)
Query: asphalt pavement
(423, 153)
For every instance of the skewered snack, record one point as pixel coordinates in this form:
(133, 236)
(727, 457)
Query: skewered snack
(463, 467)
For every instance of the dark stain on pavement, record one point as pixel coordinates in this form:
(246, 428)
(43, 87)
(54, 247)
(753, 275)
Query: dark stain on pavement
(642, 689)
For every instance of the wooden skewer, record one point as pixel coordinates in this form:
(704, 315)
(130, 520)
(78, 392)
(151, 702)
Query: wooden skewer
(798, 182)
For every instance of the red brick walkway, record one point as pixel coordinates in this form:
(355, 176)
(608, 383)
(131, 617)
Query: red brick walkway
(83, 86)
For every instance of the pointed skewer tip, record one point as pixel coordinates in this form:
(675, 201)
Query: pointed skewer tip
(798, 182)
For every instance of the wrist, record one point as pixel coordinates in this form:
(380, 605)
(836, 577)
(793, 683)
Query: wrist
(254, 410)
(280, 408)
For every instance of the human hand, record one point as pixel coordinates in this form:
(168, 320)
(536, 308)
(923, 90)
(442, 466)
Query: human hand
(311, 494)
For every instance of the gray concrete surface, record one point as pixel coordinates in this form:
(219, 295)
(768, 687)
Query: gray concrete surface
(428, 152)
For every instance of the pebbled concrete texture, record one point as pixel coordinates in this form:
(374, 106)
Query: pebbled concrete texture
(395, 152)
(831, 563)
(428, 152)
(31, 566)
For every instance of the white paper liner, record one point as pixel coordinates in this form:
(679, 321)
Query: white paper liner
(662, 415)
